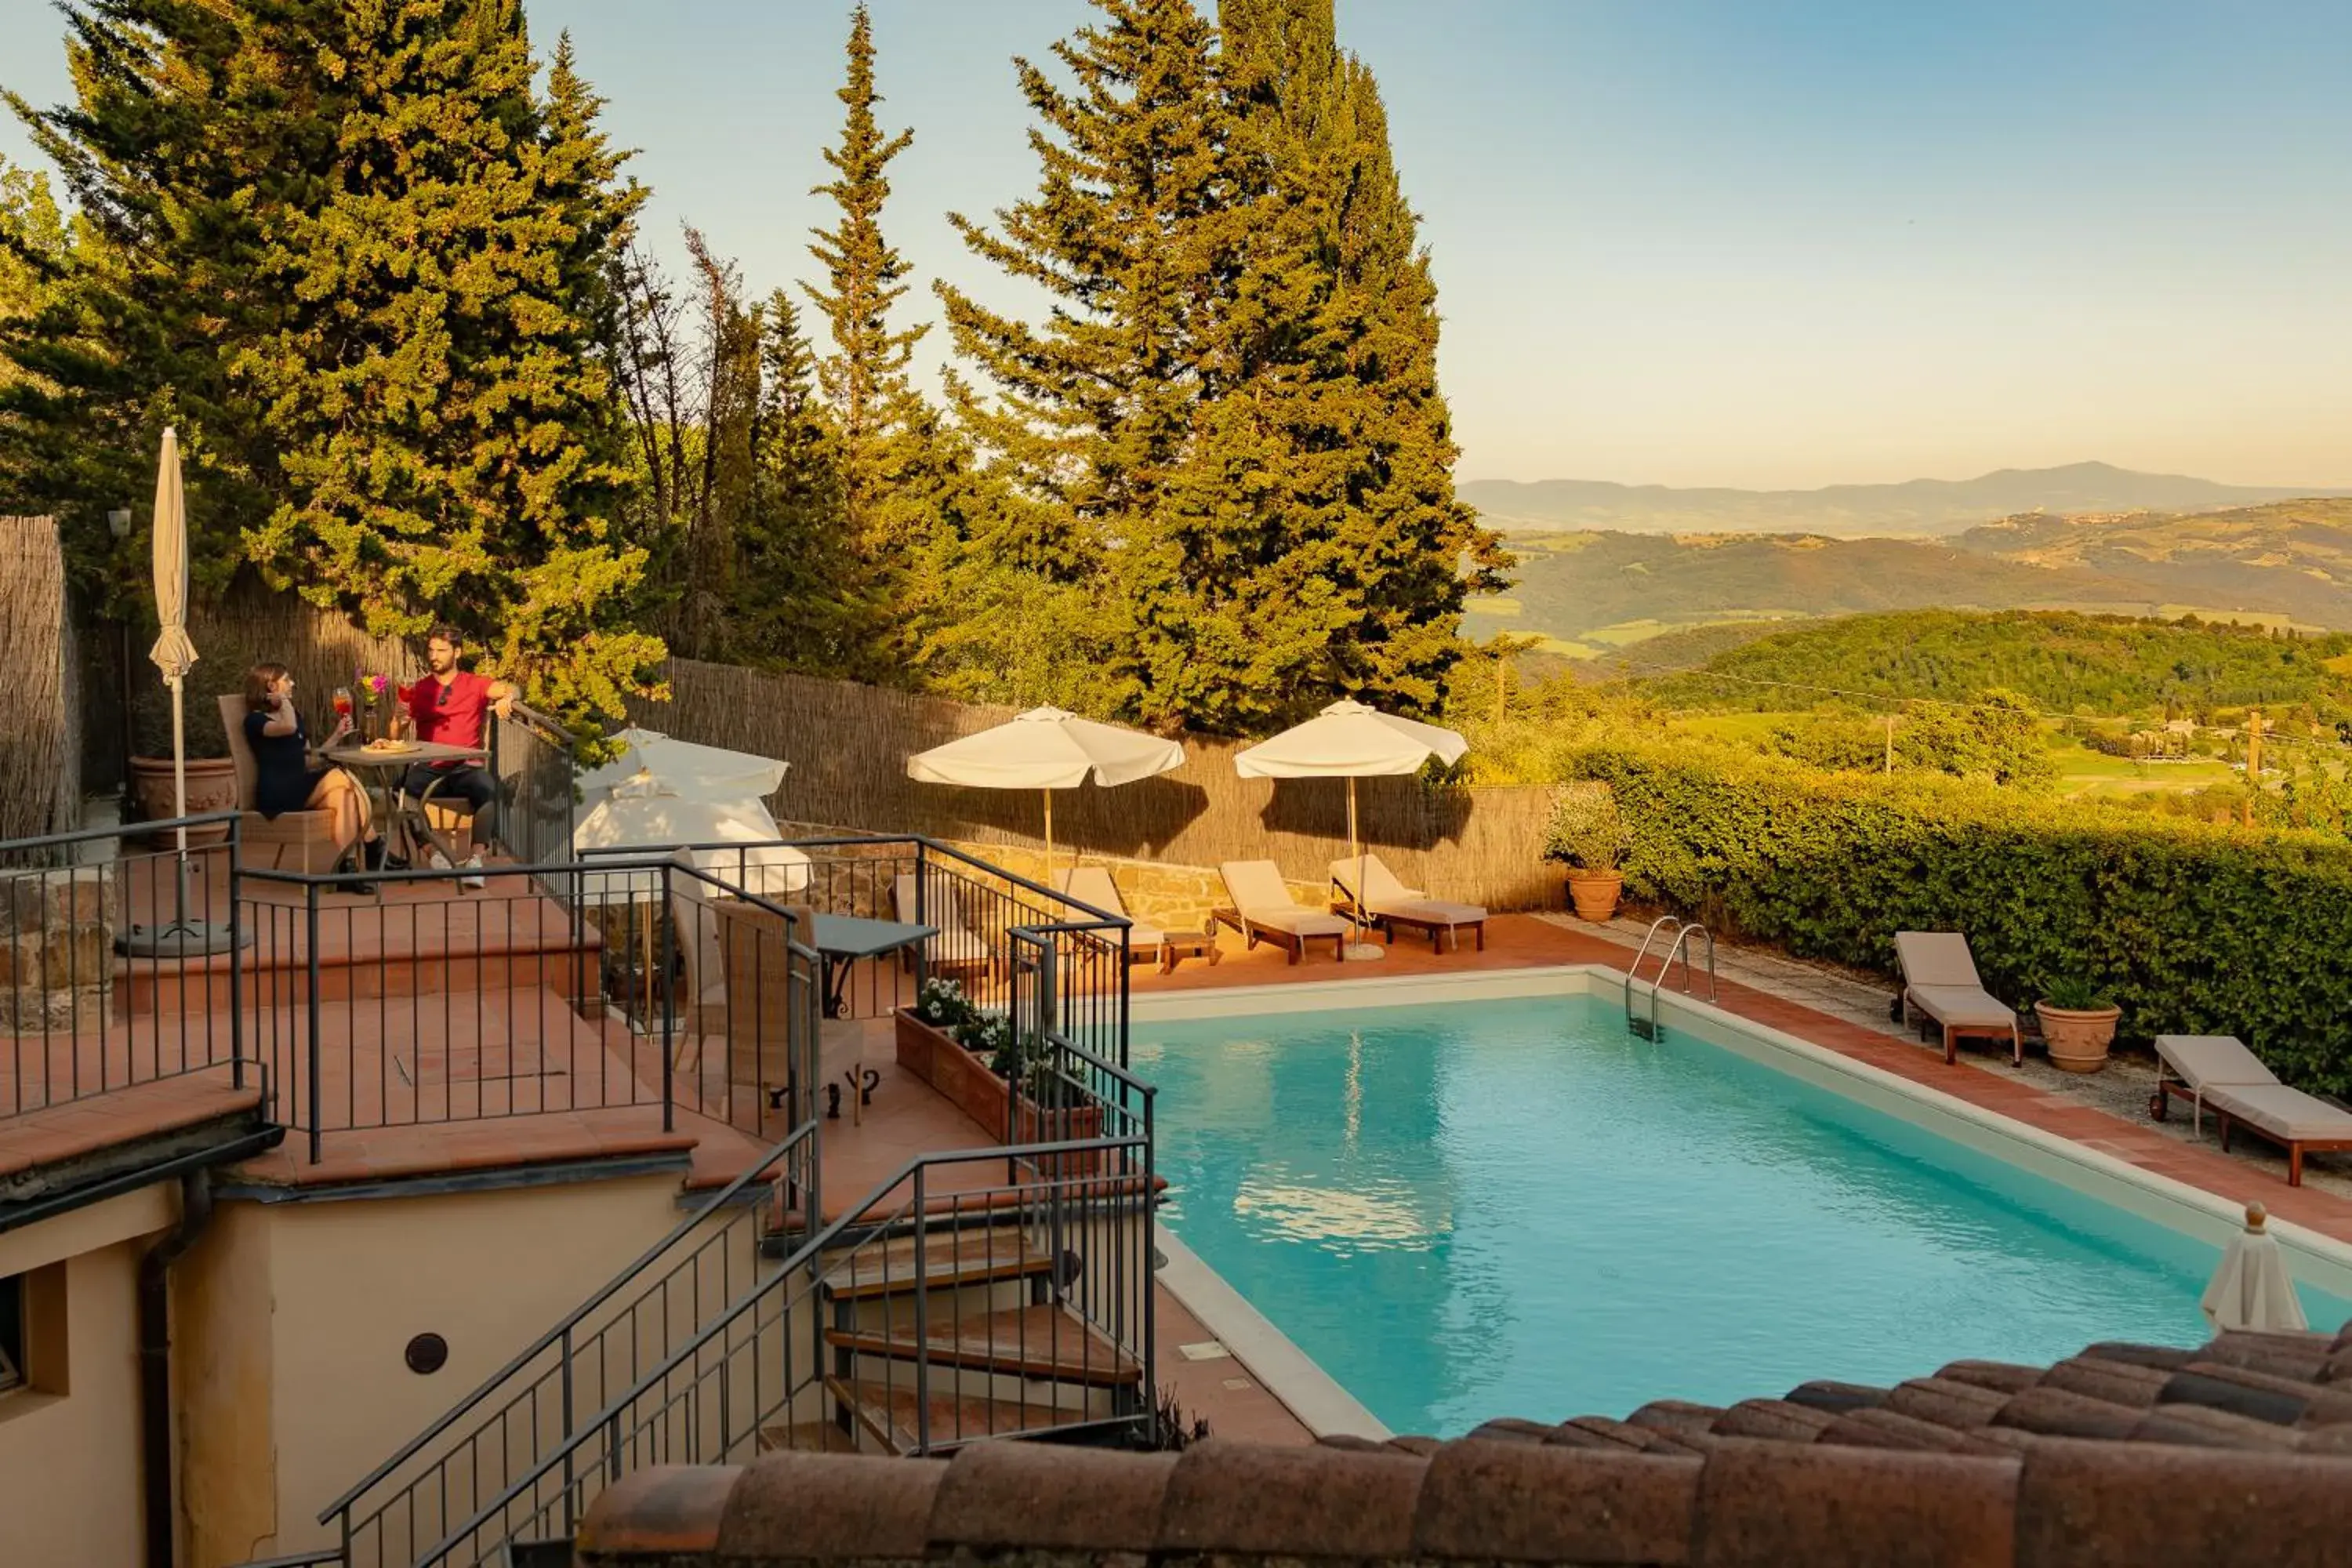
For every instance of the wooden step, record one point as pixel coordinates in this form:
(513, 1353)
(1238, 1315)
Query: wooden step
(889, 1414)
(1048, 1342)
(808, 1438)
(949, 1257)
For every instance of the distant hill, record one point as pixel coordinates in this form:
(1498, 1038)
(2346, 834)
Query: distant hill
(2060, 661)
(2286, 562)
(1918, 507)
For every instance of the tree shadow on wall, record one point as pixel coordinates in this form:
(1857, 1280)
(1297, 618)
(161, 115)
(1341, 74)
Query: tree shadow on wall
(1131, 821)
(1400, 813)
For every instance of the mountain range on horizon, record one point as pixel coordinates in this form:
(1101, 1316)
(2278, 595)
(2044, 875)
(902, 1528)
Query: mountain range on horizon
(1915, 508)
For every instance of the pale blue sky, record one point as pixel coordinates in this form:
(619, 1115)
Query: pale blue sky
(1787, 244)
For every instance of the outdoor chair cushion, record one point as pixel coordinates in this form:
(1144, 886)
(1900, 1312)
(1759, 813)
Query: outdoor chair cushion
(1261, 897)
(956, 941)
(2288, 1114)
(1936, 958)
(1963, 1006)
(1385, 895)
(2211, 1061)
(1092, 885)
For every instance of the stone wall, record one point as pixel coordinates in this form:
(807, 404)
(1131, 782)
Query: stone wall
(56, 950)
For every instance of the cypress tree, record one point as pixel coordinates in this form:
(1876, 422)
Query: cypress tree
(864, 376)
(1133, 233)
(448, 439)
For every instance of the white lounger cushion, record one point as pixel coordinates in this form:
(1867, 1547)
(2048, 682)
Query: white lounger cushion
(1092, 885)
(2211, 1061)
(956, 941)
(1262, 898)
(1385, 895)
(2288, 1114)
(1936, 958)
(1963, 1006)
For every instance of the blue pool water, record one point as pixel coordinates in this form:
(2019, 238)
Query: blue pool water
(1514, 1208)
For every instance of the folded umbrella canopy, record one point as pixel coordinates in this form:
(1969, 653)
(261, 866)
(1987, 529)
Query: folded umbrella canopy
(1045, 749)
(1351, 741)
(2252, 1290)
(684, 769)
(665, 795)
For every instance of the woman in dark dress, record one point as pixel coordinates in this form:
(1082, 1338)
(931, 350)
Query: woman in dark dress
(285, 779)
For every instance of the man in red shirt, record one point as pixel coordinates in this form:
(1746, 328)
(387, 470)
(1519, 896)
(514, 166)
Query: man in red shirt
(447, 708)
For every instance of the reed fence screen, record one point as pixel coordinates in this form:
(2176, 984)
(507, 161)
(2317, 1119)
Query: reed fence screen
(848, 744)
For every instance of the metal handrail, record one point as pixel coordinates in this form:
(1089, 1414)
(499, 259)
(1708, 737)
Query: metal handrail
(611, 1288)
(806, 1256)
(1683, 931)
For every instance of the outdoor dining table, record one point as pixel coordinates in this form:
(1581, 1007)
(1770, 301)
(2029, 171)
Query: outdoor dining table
(384, 767)
(842, 940)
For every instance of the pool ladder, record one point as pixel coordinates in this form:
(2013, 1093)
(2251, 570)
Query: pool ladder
(1679, 932)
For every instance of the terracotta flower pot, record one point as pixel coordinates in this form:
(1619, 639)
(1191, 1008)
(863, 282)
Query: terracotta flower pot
(212, 786)
(1594, 894)
(2078, 1038)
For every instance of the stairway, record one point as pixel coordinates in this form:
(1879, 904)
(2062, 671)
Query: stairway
(954, 1337)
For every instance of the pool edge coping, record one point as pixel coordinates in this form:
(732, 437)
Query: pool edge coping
(1319, 1401)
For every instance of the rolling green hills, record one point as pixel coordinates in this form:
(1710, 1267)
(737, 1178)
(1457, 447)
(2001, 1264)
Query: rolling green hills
(2062, 662)
(2284, 562)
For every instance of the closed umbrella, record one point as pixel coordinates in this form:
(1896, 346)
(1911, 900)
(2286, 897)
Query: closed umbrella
(2252, 1290)
(173, 654)
(1045, 749)
(1351, 741)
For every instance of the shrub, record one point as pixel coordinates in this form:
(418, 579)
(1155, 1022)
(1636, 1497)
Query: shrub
(2189, 927)
(1586, 830)
(942, 1005)
(2073, 994)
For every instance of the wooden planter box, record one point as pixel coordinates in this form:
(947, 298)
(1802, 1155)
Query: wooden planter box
(963, 1078)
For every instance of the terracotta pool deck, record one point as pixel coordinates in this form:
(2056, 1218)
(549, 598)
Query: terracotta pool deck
(1524, 941)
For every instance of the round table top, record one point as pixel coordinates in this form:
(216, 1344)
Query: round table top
(414, 752)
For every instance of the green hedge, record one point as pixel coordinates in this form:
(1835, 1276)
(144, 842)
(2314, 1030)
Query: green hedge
(2190, 928)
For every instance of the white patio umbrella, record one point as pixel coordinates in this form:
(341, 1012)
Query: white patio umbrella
(643, 815)
(684, 769)
(1351, 741)
(175, 654)
(1045, 749)
(2252, 1290)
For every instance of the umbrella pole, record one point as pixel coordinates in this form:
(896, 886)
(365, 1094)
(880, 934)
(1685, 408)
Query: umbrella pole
(1360, 947)
(1049, 836)
(180, 804)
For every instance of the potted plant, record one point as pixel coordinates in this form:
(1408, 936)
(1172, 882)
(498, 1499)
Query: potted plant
(940, 1012)
(1590, 837)
(2078, 1025)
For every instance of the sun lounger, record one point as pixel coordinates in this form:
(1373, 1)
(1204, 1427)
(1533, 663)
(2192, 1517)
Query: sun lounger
(1388, 903)
(2220, 1071)
(2194, 1065)
(1939, 981)
(1092, 885)
(2295, 1122)
(1262, 911)
(957, 948)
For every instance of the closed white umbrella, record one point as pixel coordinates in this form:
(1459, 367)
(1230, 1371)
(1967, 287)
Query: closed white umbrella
(1045, 749)
(685, 769)
(1351, 741)
(175, 654)
(2252, 1290)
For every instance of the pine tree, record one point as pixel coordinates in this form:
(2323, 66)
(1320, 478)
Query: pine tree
(800, 606)
(864, 376)
(447, 435)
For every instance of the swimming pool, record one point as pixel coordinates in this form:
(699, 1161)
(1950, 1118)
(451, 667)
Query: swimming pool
(1512, 1208)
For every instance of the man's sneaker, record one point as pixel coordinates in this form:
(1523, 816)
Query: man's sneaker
(473, 878)
(435, 859)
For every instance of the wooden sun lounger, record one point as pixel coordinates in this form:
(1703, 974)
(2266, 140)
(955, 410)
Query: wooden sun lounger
(1940, 983)
(1388, 904)
(957, 948)
(1092, 885)
(2218, 1072)
(1263, 910)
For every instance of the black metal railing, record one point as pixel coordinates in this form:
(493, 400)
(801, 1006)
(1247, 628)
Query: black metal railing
(533, 763)
(85, 1009)
(445, 996)
(938, 1310)
(604, 1346)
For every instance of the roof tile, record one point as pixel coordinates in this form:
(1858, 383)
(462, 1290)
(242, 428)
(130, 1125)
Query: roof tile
(2116, 1381)
(873, 1507)
(1766, 1505)
(664, 1508)
(2257, 1394)
(2002, 1378)
(1946, 1402)
(1049, 1496)
(2203, 1426)
(1774, 1418)
(1512, 1502)
(1871, 1429)
(1315, 1501)
(2095, 1505)
(1837, 1398)
(2055, 1413)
